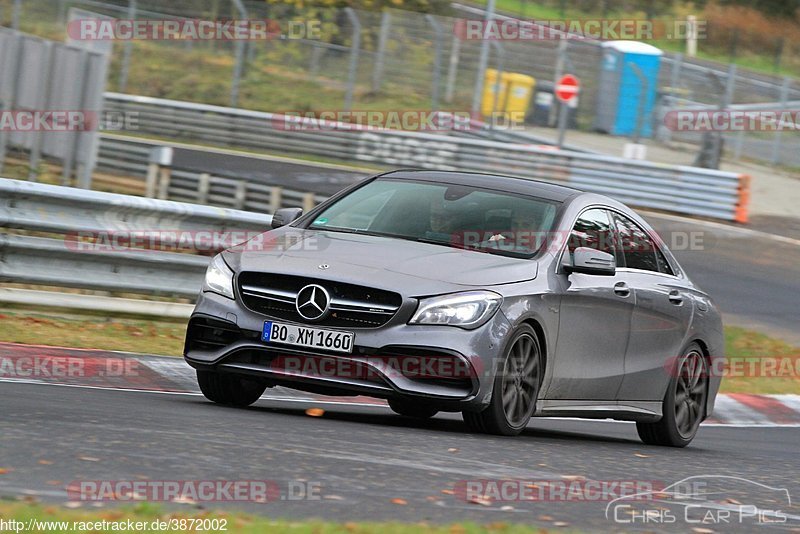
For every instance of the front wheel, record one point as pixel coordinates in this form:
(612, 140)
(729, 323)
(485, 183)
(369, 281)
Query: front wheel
(516, 388)
(684, 403)
(229, 389)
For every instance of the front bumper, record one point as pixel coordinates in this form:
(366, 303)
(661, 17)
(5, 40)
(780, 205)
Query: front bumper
(449, 367)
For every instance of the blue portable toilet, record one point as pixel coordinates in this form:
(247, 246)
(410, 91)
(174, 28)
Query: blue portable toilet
(621, 95)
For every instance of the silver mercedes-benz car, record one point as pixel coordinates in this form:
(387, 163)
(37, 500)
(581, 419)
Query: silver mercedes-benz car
(498, 297)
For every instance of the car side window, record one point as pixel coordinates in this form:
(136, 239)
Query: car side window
(639, 249)
(593, 230)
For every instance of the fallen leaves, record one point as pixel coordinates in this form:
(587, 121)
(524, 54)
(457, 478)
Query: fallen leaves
(400, 502)
(640, 455)
(315, 412)
(3, 470)
(88, 458)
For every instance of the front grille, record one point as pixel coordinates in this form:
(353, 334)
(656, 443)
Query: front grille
(352, 306)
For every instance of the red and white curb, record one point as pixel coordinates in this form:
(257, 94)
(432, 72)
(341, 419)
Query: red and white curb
(33, 364)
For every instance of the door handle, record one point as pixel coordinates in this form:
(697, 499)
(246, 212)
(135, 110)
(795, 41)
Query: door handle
(675, 297)
(622, 289)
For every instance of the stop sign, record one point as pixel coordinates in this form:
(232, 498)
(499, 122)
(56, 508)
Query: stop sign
(567, 88)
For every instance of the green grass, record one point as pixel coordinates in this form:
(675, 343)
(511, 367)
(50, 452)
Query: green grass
(92, 331)
(89, 331)
(240, 523)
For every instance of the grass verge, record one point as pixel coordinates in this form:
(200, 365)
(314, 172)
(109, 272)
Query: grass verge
(759, 363)
(56, 519)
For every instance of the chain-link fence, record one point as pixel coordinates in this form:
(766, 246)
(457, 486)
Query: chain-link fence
(342, 59)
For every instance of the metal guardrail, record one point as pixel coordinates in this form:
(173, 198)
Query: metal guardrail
(132, 156)
(680, 189)
(84, 218)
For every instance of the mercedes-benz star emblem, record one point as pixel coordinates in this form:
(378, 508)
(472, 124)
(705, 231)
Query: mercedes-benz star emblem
(312, 302)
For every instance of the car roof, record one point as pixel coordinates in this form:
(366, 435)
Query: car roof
(512, 184)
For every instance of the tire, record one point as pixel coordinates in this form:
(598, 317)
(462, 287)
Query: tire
(519, 377)
(412, 409)
(684, 403)
(228, 389)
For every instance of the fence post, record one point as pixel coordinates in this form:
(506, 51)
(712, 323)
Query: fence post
(16, 13)
(355, 49)
(73, 141)
(126, 54)
(14, 65)
(500, 65)
(452, 69)
(42, 102)
(437, 60)
(776, 143)
(240, 57)
(377, 69)
(675, 73)
(730, 84)
(483, 59)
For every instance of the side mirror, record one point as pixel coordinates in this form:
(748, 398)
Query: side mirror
(590, 261)
(285, 216)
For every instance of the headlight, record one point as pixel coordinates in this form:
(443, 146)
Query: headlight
(219, 277)
(468, 310)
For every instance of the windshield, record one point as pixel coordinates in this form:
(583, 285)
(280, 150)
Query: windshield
(442, 214)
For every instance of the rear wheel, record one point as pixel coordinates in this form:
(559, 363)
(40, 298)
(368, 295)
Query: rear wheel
(516, 388)
(684, 403)
(229, 389)
(412, 409)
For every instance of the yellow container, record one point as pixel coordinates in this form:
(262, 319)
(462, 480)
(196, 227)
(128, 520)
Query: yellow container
(514, 94)
(488, 101)
(518, 98)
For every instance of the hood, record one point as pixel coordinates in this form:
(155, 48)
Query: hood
(381, 261)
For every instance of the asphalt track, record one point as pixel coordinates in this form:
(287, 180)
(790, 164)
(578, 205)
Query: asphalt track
(362, 459)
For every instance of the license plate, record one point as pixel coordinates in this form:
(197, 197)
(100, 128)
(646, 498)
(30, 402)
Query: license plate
(304, 336)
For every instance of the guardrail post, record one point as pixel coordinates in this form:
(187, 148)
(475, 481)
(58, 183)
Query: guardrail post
(158, 169)
(275, 198)
(240, 196)
(308, 202)
(203, 187)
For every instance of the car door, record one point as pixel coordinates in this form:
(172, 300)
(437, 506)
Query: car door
(661, 318)
(595, 315)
